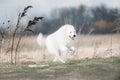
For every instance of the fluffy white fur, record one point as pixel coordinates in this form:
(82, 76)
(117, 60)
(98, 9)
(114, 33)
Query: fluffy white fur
(60, 42)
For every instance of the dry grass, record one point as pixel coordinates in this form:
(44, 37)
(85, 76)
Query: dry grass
(13, 40)
(87, 46)
(98, 46)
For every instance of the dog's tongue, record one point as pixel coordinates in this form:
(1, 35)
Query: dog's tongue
(72, 38)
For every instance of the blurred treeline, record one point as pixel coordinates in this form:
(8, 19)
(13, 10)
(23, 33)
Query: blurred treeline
(87, 20)
(94, 20)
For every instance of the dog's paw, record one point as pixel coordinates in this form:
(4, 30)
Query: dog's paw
(72, 51)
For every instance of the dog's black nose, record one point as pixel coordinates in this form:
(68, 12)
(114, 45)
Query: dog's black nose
(74, 35)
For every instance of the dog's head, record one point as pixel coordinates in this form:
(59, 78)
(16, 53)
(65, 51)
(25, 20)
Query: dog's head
(70, 31)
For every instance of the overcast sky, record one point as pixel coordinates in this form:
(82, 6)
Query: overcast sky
(9, 9)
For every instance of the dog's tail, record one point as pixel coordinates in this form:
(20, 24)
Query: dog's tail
(41, 40)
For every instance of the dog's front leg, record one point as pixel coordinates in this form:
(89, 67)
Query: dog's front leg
(71, 50)
(63, 50)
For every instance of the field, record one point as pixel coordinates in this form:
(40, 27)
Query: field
(87, 46)
(97, 57)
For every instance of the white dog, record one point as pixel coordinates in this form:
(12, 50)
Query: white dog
(61, 42)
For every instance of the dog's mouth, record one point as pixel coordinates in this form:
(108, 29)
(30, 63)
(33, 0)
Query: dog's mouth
(72, 37)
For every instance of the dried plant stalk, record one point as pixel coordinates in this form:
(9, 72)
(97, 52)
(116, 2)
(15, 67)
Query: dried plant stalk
(1, 40)
(20, 16)
(27, 28)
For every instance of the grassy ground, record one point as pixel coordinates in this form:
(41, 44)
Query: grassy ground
(86, 69)
(92, 60)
